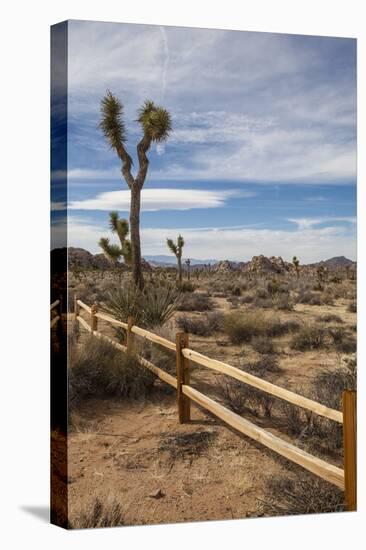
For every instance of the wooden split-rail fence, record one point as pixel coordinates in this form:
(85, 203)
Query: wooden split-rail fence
(344, 479)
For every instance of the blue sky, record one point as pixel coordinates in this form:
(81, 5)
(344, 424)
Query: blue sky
(262, 157)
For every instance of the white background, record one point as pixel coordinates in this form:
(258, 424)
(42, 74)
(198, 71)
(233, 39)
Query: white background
(24, 304)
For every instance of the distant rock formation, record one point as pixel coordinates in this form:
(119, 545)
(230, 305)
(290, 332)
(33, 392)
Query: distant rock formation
(262, 265)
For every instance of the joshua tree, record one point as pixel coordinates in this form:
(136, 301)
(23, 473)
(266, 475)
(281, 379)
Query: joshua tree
(177, 249)
(188, 264)
(112, 251)
(296, 263)
(156, 126)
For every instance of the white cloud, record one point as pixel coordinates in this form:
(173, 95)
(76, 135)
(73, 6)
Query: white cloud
(234, 243)
(158, 199)
(307, 223)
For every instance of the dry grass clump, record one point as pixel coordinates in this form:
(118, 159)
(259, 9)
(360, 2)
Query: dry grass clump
(309, 337)
(243, 326)
(263, 344)
(306, 494)
(307, 297)
(241, 398)
(284, 303)
(99, 369)
(98, 514)
(201, 326)
(195, 302)
(330, 318)
(342, 341)
(352, 307)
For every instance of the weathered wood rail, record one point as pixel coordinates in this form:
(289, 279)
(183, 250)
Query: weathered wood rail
(344, 479)
(57, 318)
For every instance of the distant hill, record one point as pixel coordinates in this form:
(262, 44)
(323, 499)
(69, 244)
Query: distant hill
(164, 259)
(338, 262)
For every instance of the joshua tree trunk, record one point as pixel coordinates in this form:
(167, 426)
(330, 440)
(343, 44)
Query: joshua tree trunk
(135, 236)
(179, 269)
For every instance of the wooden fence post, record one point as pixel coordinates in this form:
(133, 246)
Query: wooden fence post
(93, 318)
(182, 363)
(130, 335)
(76, 307)
(350, 449)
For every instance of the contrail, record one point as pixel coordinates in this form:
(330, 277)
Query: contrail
(166, 61)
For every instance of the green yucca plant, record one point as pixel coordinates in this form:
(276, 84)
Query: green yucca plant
(156, 126)
(151, 307)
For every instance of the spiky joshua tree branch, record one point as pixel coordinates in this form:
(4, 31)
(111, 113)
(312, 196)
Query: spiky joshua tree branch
(114, 252)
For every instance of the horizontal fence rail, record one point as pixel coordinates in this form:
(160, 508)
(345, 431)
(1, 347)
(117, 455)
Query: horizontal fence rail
(186, 393)
(54, 304)
(55, 320)
(315, 465)
(261, 384)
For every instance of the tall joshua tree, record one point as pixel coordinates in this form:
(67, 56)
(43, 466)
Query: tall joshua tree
(296, 263)
(156, 125)
(177, 249)
(112, 251)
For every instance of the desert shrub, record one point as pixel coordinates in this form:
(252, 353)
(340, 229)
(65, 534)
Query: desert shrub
(305, 494)
(342, 341)
(327, 298)
(195, 302)
(235, 394)
(263, 344)
(242, 327)
(310, 298)
(201, 326)
(262, 293)
(352, 307)
(187, 286)
(273, 287)
(236, 291)
(330, 318)
(98, 514)
(284, 303)
(293, 418)
(153, 306)
(263, 303)
(267, 363)
(247, 299)
(309, 337)
(99, 369)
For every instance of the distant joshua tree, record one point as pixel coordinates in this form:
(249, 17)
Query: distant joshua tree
(114, 252)
(156, 127)
(188, 264)
(177, 249)
(296, 263)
